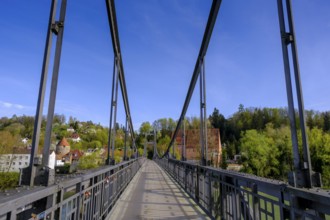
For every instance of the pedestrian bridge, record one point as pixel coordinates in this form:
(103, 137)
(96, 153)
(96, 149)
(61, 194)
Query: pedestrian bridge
(164, 188)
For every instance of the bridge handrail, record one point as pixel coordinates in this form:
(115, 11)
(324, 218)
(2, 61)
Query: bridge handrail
(91, 194)
(230, 195)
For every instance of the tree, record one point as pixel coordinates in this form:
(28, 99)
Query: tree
(217, 120)
(326, 121)
(259, 154)
(162, 144)
(60, 119)
(194, 122)
(165, 125)
(8, 180)
(145, 128)
(240, 108)
(15, 128)
(28, 123)
(224, 164)
(282, 142)
(8, 142)
(319, 145)
(102, 136)
(88, 162)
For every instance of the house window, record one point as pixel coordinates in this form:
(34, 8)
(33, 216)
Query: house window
(8, 157)
(26, 163)
(26, 157)
(20, 157)
(7, 163)
(13, 163)
(19, 163)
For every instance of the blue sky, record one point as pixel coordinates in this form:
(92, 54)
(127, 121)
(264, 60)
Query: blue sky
(160, 41)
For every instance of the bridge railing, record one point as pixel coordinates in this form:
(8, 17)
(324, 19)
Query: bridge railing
(89, 195)
(231, 195)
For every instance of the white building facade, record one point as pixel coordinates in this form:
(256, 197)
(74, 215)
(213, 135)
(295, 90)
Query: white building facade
(15, 162)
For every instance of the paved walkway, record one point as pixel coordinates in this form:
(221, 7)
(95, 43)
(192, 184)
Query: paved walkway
(152, 194)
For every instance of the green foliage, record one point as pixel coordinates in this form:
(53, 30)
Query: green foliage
(15, 128)
(141, 151)
(224, 164)
(245, 119)
(120, 138)
(88, 162)
(217, 120)
(8, 180)
(261, 135)
(63, 169)
(8, 141)
(259, 154)
(60, 119)
(162, 144)
(282, 140)
(165, 126)
(102, 136)
(118, 156)
(145, 128)
(177, 154)
(319, 144)
(60, 130)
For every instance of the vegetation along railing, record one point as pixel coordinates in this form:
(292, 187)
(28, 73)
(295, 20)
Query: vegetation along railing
(232, 195)
(89, 195)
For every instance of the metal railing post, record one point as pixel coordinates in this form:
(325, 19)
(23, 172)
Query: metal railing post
(255, 201)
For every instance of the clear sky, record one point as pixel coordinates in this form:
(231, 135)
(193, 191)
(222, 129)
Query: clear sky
(160, 41)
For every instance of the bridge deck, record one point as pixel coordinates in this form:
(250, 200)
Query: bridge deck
(152, 194)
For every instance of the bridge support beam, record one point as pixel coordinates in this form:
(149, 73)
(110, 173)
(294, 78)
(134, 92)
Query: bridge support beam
(203, 116)
(113, 114)
(125, 143)
(155, 145)
(302, 175)
(39, 173)
(183, 142)
(111, 11)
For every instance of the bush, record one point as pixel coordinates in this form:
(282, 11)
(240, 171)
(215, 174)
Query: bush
(88, 162)
(8, 180)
